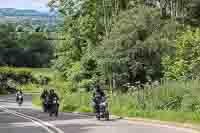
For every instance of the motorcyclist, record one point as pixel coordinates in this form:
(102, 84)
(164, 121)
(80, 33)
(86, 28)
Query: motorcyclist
(19, 92)
(98, 97)
(52, 95)
(44, 97)
(44, 94)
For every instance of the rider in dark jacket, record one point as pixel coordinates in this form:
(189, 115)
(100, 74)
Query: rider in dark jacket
(52, 95)
(19, 92)
(98, 96)
(44, 94)
(44, 98)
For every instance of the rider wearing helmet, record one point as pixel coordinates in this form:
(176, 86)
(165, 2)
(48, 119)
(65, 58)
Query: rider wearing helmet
(19, 92)
(52, 95)
(98, 96)
(44, 94)
(45, 100)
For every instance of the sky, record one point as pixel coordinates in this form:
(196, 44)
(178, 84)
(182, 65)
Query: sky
(40, 5)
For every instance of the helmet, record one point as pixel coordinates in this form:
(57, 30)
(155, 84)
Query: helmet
(51, 91)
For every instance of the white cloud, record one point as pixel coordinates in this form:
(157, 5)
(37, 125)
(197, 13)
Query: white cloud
(40, 1)
(25, 4)
(40, 4)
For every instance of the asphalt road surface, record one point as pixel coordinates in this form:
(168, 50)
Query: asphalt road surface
(25, 119)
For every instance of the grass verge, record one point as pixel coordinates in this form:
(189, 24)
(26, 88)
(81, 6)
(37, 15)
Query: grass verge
(80, 102)
(170, 101)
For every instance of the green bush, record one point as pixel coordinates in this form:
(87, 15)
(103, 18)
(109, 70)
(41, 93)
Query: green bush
(86, 84)
(84, 109)
(185, 63)
(27, 79)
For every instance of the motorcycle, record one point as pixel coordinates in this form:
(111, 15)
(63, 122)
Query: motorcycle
(102, 111)
(45, 104)
(54, 107)
(19, 100)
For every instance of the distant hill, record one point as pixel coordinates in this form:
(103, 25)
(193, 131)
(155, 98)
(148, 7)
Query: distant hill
(21, 12)
(30, 18)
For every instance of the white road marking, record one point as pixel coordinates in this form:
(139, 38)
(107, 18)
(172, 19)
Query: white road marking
(37, 121)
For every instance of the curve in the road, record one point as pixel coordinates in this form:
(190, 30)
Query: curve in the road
(75, 123)
(48, 127)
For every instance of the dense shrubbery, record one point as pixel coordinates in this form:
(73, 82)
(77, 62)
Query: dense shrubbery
(14, 78)
(131, 53)
(127, 42)
(24, 49)
(185, 63)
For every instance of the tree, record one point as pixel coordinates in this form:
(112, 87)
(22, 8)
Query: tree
(134, 48)
(23, 49)
(194, 12)
(185, 64)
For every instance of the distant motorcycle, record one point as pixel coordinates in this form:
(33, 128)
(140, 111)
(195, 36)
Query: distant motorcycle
(20, 99)
(54, 107)
(102, 111)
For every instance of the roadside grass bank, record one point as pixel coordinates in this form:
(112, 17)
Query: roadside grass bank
(174, 101)
(81, 103)
(36, 103)
(118, 106)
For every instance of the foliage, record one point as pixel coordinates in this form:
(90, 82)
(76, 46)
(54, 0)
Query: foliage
(178, 100)
(193, 10)
(136, 43)
(124, 44)
(185, 64)
(108, 45)
(22, 78)
(24, 49)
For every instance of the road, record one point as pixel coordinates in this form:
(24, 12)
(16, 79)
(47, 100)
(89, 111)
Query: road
(25, 119)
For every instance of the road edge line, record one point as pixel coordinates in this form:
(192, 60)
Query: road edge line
(43, 124)
(35, 122)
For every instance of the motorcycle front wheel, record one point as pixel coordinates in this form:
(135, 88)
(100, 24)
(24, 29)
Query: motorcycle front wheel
(98, 116)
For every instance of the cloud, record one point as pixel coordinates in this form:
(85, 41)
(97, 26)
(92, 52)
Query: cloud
(40, 4)
(25, 4)
(40, 1)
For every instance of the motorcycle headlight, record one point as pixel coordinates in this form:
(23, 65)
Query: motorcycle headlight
(103, 104)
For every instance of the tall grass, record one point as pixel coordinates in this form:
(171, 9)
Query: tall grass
(77, 102)
(177, 100)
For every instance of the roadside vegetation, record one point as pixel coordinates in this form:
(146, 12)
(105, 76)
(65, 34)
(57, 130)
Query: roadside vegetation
(146, 57)
(169, 101)
(26, 79)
